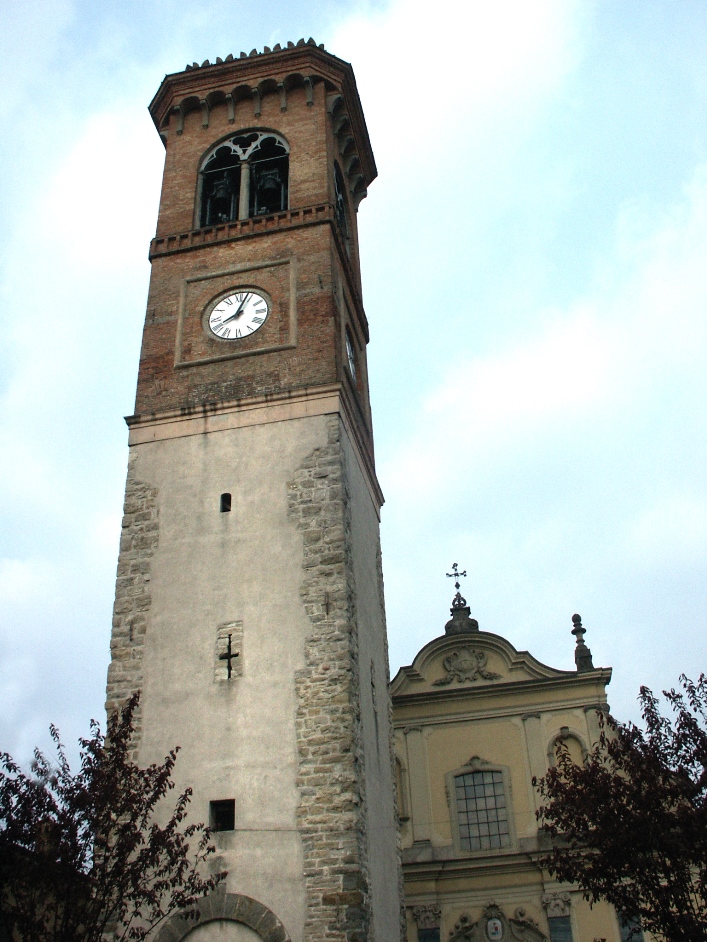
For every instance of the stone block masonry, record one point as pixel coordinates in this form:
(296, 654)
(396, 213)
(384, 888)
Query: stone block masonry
(138, 542)
(332, 810)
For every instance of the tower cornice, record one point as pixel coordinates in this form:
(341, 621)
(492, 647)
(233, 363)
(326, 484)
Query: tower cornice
(258, 74)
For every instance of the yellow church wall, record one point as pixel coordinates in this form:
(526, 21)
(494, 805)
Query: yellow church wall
(500, 744)
(471, 703)
(594, 922)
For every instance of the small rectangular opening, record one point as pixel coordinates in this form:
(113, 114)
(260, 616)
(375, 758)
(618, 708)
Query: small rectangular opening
(225, 503)
(222, 815)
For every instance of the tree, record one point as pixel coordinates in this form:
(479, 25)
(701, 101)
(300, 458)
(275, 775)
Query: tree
(630, 824)
(82, 855)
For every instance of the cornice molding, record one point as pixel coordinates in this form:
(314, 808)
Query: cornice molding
(274, 73)
(259, 410)
(567, 682)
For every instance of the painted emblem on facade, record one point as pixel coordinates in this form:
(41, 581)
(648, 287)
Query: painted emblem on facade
(494, 930)
(464, 665)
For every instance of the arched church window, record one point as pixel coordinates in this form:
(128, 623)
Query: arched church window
(246, 175)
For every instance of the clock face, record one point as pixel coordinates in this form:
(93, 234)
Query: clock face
(239, 315)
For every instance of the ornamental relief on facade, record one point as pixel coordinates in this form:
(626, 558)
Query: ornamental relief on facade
(465, 665)
(495, 926)
(557, 904)
(427, 916)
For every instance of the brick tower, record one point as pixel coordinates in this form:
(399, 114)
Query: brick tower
(249, 604)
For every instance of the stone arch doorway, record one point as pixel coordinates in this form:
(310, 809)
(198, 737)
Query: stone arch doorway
(226, 917)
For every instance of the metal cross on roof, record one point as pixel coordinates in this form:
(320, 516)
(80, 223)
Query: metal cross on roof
(456, 575)
(458, 601)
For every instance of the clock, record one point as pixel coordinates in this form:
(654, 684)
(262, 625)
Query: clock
(238, 315)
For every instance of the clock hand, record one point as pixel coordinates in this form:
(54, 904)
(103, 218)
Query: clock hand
(238, 311)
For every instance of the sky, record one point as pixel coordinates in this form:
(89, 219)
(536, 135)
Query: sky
(534, 258)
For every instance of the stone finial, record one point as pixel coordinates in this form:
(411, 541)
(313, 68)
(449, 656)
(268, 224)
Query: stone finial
(582, 654)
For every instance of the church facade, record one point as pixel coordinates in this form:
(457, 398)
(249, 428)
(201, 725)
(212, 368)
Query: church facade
(475, 721)
(249, 605)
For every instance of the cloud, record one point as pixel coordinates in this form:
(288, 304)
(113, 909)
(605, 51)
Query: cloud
(565, 464)
(640, 332)
(415, 72)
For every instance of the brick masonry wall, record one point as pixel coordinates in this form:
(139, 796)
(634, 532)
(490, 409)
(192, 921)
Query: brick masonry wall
(138, 542)
(332, 811)
(315, 360)
(318, 357)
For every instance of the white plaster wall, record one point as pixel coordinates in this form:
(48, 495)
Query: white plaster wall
(237, 739)
(382, 850)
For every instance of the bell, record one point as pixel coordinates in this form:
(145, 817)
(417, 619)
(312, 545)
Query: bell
(222, 190)
(269, 181)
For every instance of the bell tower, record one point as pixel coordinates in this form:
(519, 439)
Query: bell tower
(249, 602)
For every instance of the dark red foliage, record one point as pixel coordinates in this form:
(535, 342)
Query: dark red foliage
(85, 854)
(630, 824)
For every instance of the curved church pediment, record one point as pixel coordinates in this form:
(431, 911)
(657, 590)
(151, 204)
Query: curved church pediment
(465, 657)
(469, 660)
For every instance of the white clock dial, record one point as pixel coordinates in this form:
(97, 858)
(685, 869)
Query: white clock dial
(239, 315)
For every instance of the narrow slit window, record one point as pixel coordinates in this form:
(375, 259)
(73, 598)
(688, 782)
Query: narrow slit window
(340, 206)
(350, 355)
(225, 503)
(222, 815)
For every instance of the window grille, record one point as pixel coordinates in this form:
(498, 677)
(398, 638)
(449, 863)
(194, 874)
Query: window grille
(560, 928)
(482, 811)
(630, 928)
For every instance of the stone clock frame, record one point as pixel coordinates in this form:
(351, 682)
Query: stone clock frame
(291, 263)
